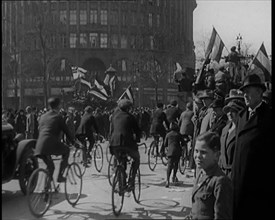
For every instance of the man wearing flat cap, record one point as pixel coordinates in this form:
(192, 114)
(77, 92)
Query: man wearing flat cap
(253, 159)
(125, 134)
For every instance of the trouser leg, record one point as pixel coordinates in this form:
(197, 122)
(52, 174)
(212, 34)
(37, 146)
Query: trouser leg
(64, 161)
(49, 163)
(169, 168)
(136, 162)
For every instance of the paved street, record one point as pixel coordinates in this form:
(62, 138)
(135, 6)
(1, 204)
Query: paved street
(157, 202)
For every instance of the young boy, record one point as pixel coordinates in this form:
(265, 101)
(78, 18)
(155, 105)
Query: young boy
(212, 191)
(173, 141)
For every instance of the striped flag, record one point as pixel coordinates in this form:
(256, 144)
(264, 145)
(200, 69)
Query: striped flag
(85, 82)
(101, 88)
(215, 46)
(261, 60)
(127, 94)
(112, 84)
(98, 94)
(78, 72)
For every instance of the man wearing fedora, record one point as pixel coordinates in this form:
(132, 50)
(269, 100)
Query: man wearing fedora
(253, 160)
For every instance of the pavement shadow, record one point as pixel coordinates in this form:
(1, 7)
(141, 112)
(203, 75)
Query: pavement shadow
(178, 184)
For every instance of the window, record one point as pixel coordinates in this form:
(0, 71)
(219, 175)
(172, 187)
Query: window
(83, 17)
(158, 20)
(157, 2)
(93, 39)
(151, 42)
(83, 40)
(93, 16)
(123, 65)
(103, 40)
(63, 17)
(72, 40)
(123, 42)
(72, 17)
(114, 41)
(103, 17)
(141, 19)
(114, 18)
(63, 40)
(53, 41)
(134, 18)
(151, 2)
(124, 18)
(150, 20)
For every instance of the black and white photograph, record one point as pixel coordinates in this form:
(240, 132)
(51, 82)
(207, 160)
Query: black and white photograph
(136, 109)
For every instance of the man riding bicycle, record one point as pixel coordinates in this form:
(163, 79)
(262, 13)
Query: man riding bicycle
(125, 134)
(51, 124)
(85, 130)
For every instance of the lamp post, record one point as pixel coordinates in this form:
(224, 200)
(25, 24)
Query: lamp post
(239, 40)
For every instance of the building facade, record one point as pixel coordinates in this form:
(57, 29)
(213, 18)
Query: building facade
(141, 39)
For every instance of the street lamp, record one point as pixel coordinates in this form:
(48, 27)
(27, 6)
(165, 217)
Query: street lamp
(239, 40)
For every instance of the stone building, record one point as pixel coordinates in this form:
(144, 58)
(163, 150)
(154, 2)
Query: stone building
(141, 39)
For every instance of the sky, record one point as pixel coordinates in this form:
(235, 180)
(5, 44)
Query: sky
(250, 18)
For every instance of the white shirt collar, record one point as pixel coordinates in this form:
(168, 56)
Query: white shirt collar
(253, 110)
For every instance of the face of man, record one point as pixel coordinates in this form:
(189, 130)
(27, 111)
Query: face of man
(204, 156)
(232, 116)
(252, 96)
(207, 101)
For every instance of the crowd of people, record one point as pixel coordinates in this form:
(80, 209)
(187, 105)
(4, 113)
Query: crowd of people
(229, 134)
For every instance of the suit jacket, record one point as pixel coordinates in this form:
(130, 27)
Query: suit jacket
(157, 126)
(86, 125)
(206, 121)
(125, 131)
(185, 122)
(173, 140)
(227, 149)
(51, 124)
(212, 195)
(173, 114)
(253, 161)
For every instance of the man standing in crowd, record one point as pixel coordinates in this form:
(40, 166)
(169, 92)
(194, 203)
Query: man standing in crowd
(173, 113)
(253, 159)
(30, 123)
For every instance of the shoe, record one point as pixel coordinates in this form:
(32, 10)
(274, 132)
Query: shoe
(167, 184)
(61, 179)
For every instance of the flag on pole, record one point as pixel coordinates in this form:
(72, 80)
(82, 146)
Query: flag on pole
(112, 84)
(127, 94)
(78, 72)
(215, 46)
(101, 88)
(261, 60)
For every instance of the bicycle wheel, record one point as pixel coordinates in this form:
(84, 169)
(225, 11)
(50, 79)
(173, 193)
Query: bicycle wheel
(183, 161)
(152, 157)
(107, 152)
(137, 186)
(39, 192)
(118, 190)
(73, 184)
(78, 158)
(111, 169)
(98, 157)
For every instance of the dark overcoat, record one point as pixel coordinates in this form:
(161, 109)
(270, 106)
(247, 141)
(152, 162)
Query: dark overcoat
(173, 114)
(185, 122)
(86, 126)
(124, 130)
(157, 127)
(227, 149)
(173, 140)
(51, 124)
(253, 165)
(212, 195)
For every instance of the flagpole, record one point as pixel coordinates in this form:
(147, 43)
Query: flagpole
(254, 57)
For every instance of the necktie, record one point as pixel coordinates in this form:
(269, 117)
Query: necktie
(251, 113)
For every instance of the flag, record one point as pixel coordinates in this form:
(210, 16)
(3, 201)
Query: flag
(101, 88)
(215, 46)
(63, 64)
(127, 94)
(98, 94)
(112, 84)
(261, 60)
(85, 82)
(78, 72)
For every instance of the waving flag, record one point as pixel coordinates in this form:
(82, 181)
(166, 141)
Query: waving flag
(261, 60)
(215, 47)
(127, 94)
(85, 82)
(78, 72)
(101, 88)
(98, 94)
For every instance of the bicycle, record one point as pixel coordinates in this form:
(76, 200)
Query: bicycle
(41, 187)
(96, 154)
(185, 154)
(152, 153)
(112, 165)
(121, 184)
